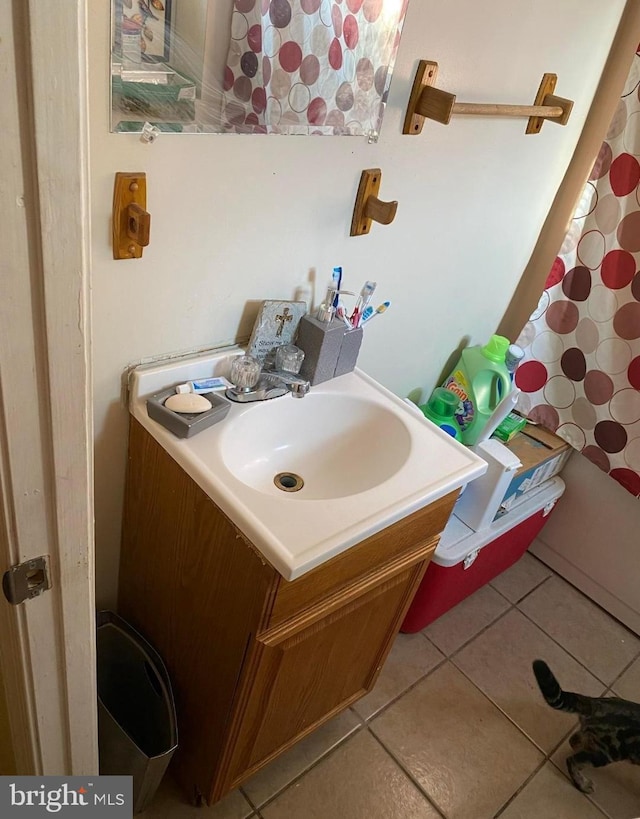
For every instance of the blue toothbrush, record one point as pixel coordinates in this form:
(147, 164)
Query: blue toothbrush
(368, 313)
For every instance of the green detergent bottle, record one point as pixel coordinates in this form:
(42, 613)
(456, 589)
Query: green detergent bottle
(481, 380)
(441, 409)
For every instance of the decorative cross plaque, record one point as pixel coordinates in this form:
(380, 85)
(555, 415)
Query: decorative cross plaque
(276, 324)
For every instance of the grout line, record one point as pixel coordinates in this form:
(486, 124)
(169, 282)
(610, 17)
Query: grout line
(407, 773)
(394, 700)
(634, 635)
(306, 770)
(533, 589)
(249, 800)
(564, 648)
(517, 792)
(624, 671)
(502, 711)
(563, 771)
(526, 594)
(502, 614)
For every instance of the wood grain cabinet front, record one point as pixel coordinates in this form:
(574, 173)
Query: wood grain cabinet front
(256, 662)
(301, 674)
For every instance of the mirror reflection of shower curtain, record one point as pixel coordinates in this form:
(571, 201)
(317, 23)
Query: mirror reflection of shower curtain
(309, 66)
(581, 371)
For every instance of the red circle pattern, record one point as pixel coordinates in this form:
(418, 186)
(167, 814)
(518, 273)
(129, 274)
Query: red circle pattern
(325, 45)
(593, 292)
(618, 269)
(556, 274)
(624, 174)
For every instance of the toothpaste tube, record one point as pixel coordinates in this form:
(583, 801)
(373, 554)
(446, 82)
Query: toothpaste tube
(204, 385)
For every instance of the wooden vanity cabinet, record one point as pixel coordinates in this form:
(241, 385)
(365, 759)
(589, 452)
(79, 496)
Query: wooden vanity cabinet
(256, 661)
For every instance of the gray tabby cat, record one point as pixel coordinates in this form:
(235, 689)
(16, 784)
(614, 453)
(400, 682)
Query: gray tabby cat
(609, 727)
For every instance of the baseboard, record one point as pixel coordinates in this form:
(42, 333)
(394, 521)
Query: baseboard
(572, 574)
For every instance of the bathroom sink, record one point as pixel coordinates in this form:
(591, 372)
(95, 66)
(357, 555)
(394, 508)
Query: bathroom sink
(306, 478)
(324, 446)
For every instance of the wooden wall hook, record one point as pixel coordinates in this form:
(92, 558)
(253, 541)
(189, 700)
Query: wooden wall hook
(428, 102)
(368, 207)
(131, 221)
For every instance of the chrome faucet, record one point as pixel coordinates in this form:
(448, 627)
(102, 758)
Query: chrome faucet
(252, 383)
(297, 386)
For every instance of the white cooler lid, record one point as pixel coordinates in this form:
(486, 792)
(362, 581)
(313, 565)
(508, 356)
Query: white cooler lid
(458, 540)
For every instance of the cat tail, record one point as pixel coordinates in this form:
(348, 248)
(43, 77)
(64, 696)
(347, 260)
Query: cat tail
(555, 696)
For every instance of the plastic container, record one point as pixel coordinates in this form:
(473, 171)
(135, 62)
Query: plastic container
(481, 380)
(465, 560)
(512, 358)
(441, 409)
(137, 731)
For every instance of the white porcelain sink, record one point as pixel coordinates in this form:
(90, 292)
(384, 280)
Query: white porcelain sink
(338, 444)
(364, 457)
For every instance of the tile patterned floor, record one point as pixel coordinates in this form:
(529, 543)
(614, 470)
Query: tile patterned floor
(456, 726)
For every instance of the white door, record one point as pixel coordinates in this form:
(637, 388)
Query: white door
(47, 644)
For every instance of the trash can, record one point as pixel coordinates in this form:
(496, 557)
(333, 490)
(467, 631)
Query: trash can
(137, 731)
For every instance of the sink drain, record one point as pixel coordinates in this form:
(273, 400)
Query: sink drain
(288, 481)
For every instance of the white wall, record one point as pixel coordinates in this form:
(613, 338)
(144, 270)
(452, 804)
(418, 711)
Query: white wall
(238, 219)
(592, 540)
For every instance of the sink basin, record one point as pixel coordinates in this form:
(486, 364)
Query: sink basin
(306, 478)
(337, 444)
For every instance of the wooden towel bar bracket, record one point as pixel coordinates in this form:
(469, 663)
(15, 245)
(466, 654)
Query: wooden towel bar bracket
(428, 102)
(368, 207)
(131, 222)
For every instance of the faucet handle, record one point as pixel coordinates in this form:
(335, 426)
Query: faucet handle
(299, 389)
(245, 372)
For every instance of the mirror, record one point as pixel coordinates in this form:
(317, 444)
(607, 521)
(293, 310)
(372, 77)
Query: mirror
(253, 66)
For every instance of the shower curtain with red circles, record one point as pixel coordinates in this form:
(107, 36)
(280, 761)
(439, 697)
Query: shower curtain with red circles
(581, 371)
(310, 66)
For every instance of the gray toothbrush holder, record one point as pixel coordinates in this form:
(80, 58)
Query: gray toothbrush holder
(330, 348)
(348, 357)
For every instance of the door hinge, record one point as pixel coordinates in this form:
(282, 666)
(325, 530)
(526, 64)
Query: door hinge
(26, 580)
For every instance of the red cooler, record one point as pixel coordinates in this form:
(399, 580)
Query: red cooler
(465, 560)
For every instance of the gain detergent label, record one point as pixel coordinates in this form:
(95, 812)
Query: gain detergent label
(459, 384)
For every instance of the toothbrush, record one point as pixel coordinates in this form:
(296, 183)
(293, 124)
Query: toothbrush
(363, 300)
(336, 278)
(368, 313)
(341, 313)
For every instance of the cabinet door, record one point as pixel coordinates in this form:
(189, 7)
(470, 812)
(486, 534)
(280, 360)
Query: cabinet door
(302, 673)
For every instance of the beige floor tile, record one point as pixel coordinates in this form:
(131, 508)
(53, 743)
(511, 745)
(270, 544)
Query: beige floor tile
(411, 657)
(499, 661)
(549, 794)
(617, 786)
(457, 745)
(279, 773)
(171, 803)
(358, 781)
(586, 631)
(628, 685)
(521, 578)
(465, 620)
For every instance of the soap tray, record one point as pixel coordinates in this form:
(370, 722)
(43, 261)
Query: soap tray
(186, 424)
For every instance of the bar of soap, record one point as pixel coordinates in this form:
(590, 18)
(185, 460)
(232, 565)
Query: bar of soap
(188, 403)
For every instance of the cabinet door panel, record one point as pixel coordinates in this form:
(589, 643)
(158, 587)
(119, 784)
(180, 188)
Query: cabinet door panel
(301, 677)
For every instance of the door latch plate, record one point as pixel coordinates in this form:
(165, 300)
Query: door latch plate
(26, 580)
